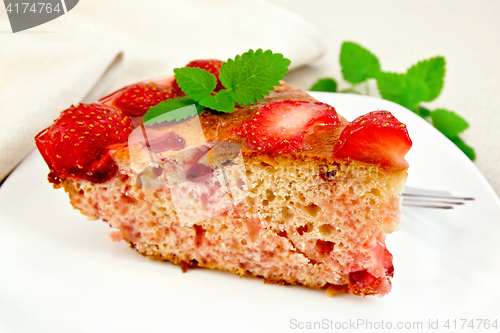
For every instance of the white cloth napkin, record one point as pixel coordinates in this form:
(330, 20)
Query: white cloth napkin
(46, 69)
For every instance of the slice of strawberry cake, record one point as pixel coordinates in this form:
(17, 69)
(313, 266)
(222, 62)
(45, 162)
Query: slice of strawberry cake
(282, 188)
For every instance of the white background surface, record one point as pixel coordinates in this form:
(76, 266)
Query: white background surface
(401, 33)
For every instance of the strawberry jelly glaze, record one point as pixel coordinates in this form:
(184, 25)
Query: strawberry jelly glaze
(102, 169)
(198, 172)
(169, 142)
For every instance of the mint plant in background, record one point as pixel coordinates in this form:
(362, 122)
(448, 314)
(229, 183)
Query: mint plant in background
(422, 82)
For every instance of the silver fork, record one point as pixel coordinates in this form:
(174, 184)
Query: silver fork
(416, 197)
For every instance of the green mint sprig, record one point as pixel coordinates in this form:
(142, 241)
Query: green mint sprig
(252, 75)
(199, 85)
(325, 84)
(246, 79)
(451, 125)
(358, 64)
(422, 82)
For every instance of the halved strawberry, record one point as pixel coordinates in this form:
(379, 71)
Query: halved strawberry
(280, 126)
(210, 65)
(376, 137)
(75, 145)
(135, 100)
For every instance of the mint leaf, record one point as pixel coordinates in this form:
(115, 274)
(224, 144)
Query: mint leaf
(468, 150)
(423, 112)
(403, 89)
(246, 78)
(432, 72)
(175, 115)
(449, 123)
(174, 109)
(195, 82)
(252, 75)
(422, 82)
(220, 102)
(325, 84)
(358, 64)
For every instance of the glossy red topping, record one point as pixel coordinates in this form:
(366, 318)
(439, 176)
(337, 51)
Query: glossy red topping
(76, 144)
(170, 141)
(135, 100)
(280, 127)
(376, 137)
(199, 172)
(210, 65)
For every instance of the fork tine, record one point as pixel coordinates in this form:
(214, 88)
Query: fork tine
(430, 203)
(427, 206)
(431, 199)
(414, 200)
(437, 196)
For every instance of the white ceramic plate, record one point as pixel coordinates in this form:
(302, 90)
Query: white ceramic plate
(60, 273)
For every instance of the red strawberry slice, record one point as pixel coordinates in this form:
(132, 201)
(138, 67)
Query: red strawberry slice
(75, 145)
(210, 65)
(135, 100)
(280, 127)
(376, 137)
